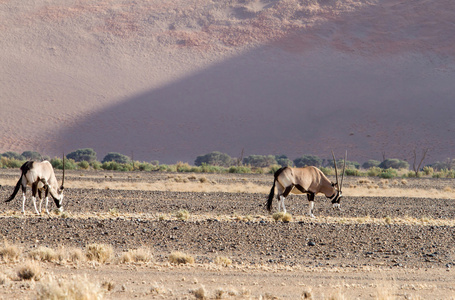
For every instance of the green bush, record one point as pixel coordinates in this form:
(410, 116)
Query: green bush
(240, 170)
(308, 160)
(13, 155)
(83, 165)
(32, 155)
(57, 163)
(374, 171)
(116, 157)
(214, 158)
(370, 164)
(115, 166)
(327, 171)
(260, 161)
(394, 163)
(352, 172)
(388, 173)
(86, 154)
(283, 161)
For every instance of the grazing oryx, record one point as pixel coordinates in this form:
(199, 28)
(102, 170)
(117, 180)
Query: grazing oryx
(40, 176)
(307, 180)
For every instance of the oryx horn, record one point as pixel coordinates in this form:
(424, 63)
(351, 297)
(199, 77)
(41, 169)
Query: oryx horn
(344, 168)
(63, 176)
(336, 170)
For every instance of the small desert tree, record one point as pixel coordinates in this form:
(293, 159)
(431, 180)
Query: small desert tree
(394, 163)
(13, 155)
(260, 161)
(283, 161)
(117, 157)
(214, 158)
(308, 160)
(85, 154)
(32, 155)
(416, 165)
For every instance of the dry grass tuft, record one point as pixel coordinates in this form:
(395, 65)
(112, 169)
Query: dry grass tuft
(281, 216)
(138, 255)
(99, 252)
(3, 279)
(223, 261)
(180, 258)
(9, 252)
(108, 285)
(200, 293)
(46, 254)
(78, 288)
(31, 270)
(182, 214)
(76, 255)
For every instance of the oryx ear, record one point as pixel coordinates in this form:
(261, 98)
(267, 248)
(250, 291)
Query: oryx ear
(334, 184)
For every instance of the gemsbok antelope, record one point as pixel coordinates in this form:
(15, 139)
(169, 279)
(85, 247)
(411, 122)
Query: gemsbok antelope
(307, 180)
(41, 177)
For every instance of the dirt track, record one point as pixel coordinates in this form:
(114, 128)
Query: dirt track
(237, 226)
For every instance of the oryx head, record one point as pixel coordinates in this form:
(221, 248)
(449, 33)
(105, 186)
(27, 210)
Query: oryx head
(58, 199)
(338, 185)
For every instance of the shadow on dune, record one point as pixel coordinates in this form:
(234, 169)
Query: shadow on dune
(286, 97)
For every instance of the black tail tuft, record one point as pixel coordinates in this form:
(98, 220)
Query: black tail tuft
(24, 168)
(16, 189)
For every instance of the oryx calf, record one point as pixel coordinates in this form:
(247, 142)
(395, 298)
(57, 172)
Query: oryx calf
(41, 177)
(308, 180)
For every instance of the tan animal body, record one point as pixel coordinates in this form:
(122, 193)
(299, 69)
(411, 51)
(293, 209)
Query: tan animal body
(307, 180)
(41, 177)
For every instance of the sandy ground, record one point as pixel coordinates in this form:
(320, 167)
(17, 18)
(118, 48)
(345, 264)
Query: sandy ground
(395, 246)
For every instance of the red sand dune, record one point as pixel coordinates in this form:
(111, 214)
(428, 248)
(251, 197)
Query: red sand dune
(171, 80)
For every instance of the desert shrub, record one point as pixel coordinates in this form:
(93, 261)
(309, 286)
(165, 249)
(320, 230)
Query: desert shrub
(240, 169)
(308, 160)
(327, 171)
(428, 170)
(76, 255)
(83, 165)
(180, 258)
(31, 155)
(143, 166)
(374, 171)
(86, 154)
(6, 162)
(388, 173)
(13, 155)
(185, 167)
(116, 157)
(57, 163)
(371, 164)
(30, 270)
(9, 252)
(214, 158)
(260, 161)
(444, 173)
(212, 169)
(283, 161)
(76, 288)
(394, 163)
(199, 293)
(99, 252)
(352, 172)
(115, 166)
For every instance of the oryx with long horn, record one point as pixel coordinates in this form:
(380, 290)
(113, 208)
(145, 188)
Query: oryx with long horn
(41, 177)
(307, 180)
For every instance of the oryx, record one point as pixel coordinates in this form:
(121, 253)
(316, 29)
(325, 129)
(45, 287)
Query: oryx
(41, 177)
(307, 180)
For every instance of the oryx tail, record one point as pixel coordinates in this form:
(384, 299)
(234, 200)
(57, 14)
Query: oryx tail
(272, 190)
(24, 168)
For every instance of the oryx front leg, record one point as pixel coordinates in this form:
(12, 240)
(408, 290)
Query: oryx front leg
(34, 204)
(311, 209)
(47, 201)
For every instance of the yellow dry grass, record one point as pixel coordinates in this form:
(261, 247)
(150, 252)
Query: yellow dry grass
(76, 288)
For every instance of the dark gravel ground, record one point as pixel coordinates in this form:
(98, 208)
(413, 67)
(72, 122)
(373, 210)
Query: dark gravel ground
(307, 243)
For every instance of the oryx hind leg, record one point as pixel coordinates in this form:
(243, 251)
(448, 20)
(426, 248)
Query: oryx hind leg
(283, 196)
(311, 205)
(34, 192)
